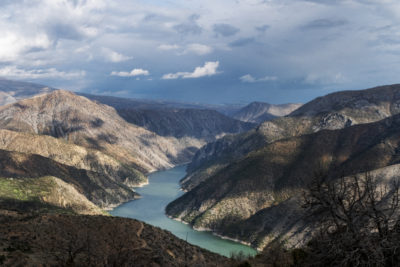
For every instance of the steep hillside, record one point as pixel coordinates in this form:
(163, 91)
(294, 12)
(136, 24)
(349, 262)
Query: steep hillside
(48, 190)
(147, 104)
(72, 155)
(334, 111)
(273, 174)
(258, 112)
(78, 120)
(68, 240)
(203, 124)
(98, 188)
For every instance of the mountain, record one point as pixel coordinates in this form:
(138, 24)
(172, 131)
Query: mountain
(12, 91)
(91, 142)
(203, 122)
(238, 176)
(333, 111)
(85, 144)
(147, 104)
(272, 175)
(259, 112)
(79, 121)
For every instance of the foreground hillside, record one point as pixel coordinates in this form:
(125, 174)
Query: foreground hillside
(268, 167)
(33, 239)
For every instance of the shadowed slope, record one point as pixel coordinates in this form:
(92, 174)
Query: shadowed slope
(60, 240)
(276, 172)
(333, 111)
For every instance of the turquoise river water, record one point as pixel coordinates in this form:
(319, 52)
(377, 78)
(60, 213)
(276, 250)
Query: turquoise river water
(163, 188)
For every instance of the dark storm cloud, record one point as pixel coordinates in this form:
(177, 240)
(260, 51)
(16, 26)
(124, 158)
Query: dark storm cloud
(262, 28)
(242, 42)
(324, 23)
(225, 29)
(62, 30)
(304, 43)
(325, 2)
(190, 26)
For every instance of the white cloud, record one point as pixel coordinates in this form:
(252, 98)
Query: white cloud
(250, 79)
(195, 48)
(113, 56)
(13, 44)
(198, 49)
(209, 69)
(132, 73)
(17, 73)
(168, 47)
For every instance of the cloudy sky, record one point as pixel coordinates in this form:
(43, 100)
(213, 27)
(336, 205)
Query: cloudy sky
(215, 51)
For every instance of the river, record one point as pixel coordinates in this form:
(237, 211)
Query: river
(163, 188)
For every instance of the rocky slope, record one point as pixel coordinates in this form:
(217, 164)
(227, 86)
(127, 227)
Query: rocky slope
(98, 188)
(31, 239)
(147, 104)
(334, 111)
(72, 155)
(203, 122)
(79, 121)
(272, 162)
(47, 190)
(259, 112)
(206, 125)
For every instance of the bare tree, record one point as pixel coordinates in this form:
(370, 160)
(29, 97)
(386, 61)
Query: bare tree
(358, 220)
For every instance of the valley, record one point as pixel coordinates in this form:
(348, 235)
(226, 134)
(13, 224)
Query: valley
(62, 154)
(246, 133)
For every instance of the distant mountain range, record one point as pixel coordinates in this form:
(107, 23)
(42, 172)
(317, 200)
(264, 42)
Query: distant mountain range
(12, 91)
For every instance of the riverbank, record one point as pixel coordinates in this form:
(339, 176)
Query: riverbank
(163, 188)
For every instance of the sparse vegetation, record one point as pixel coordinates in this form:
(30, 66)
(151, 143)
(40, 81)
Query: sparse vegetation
(25, 189)
(358, 218)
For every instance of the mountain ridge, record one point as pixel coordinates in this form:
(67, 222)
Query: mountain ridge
(238, 176)
(259, 112)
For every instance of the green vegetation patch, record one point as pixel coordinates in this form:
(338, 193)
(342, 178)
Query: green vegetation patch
(25, 189)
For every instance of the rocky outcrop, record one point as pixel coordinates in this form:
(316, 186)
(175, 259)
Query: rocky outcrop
(259, 112)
